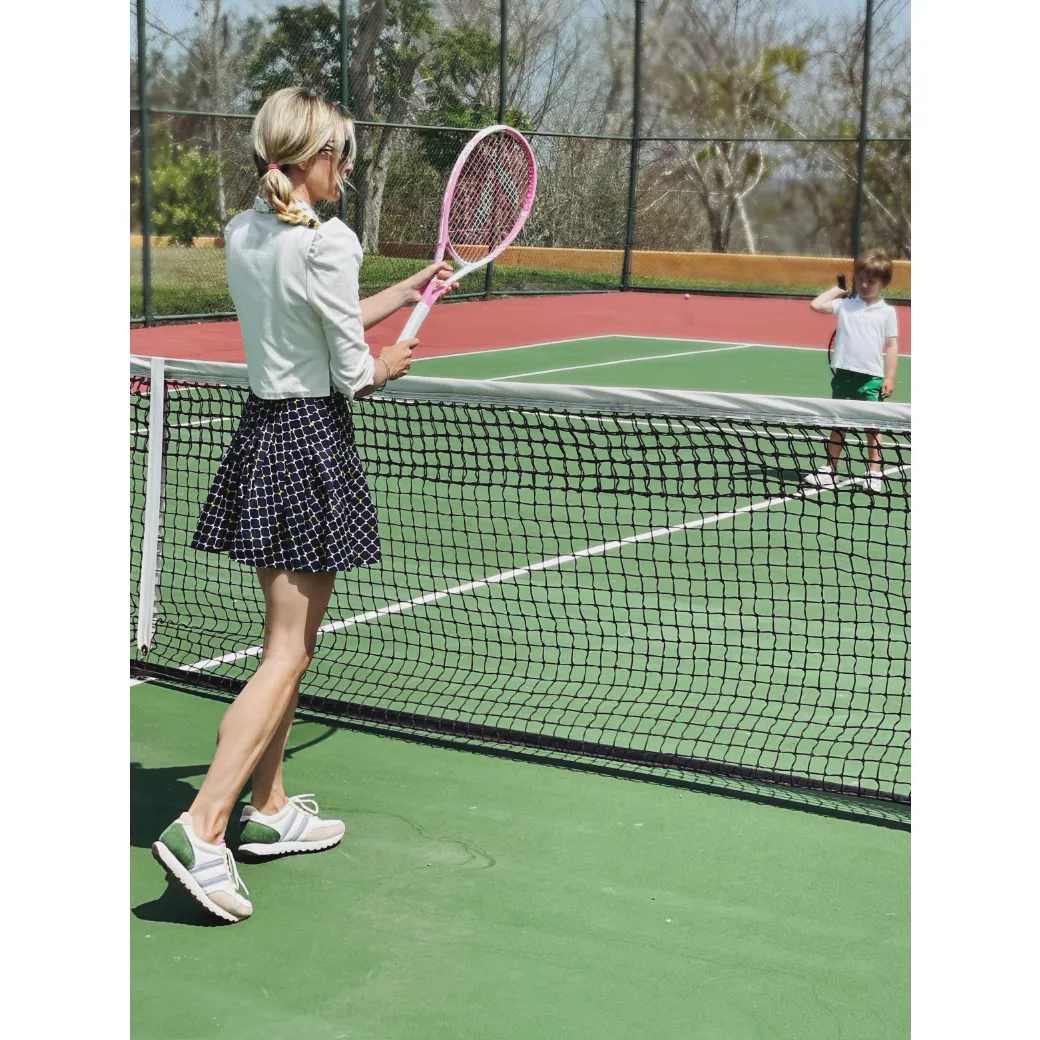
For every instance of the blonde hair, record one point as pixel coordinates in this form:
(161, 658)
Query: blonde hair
(876, 265)
(292, 126)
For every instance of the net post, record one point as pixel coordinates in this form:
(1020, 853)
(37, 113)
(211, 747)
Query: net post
(146, 164)
(344, 84)
(151, 544)
(857, 219)
(633, 164)
(503, 72)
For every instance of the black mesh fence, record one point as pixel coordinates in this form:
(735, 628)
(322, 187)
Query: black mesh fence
(710, 146)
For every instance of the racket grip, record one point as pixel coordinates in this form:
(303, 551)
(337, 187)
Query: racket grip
(418, 316)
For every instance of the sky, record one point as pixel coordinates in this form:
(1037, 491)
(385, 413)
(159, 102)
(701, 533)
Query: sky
(179, 14)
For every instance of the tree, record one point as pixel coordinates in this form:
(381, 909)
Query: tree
(302, 47)
(403, 64)
(197, 66)
(721, 70)
(184, 190)
(824, 191)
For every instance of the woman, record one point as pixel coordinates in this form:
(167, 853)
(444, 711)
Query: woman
(290, 498)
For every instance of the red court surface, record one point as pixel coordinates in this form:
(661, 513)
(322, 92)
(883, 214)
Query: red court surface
(457, 328)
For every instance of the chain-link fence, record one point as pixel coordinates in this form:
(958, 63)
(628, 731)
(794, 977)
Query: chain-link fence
(707, 145)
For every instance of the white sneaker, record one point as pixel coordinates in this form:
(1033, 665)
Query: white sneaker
(824, 477)
(207, 871)
(295, 828)
(874, 483)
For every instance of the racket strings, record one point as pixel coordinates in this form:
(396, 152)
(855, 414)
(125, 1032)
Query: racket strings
(489, 195)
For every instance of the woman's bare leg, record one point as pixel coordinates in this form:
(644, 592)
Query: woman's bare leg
(296, 604)
(267, 792)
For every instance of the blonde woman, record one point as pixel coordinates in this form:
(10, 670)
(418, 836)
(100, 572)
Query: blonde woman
(290, 498)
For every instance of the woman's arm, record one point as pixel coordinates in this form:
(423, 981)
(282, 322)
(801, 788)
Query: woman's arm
(375, 309)
(392, 363)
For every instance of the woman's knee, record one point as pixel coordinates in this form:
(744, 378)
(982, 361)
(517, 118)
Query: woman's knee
(293, 664)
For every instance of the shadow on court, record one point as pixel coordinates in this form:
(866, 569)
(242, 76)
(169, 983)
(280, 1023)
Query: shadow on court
(157, 797)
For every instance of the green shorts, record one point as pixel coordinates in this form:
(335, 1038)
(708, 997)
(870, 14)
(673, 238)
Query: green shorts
(855, 386)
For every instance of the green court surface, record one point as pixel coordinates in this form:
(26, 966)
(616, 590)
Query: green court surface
(659, 363)
(477, 897)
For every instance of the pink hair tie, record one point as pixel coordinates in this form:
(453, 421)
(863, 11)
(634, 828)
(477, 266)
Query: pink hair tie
(273, 166)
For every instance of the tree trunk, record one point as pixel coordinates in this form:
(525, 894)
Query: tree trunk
(217, 142)
(372, 182)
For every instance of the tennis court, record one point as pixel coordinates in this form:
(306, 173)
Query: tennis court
(646, 361)
(604, 579)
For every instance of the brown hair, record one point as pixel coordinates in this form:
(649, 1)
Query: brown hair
(876, 265)
(292, 126)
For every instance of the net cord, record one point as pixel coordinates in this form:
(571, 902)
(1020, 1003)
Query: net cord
(151, 542)
(629, 401)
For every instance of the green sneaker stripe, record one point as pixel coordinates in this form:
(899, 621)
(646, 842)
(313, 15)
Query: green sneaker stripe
(176, 839)
(252, 831)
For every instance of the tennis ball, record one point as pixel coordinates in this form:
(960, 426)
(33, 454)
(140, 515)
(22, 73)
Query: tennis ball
(686, 296)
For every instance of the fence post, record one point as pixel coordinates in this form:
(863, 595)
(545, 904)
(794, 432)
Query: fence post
(503, 73)
(146, 164)
(344, 83)
(857, 220)
(633, 166)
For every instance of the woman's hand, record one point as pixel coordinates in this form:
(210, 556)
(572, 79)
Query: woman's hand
(412, 288)
(398, 358)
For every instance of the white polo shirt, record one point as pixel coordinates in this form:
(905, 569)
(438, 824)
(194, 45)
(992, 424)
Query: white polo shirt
(859, 345)
(296, 294)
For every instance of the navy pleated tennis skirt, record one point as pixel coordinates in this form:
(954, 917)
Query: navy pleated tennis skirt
(290, 493)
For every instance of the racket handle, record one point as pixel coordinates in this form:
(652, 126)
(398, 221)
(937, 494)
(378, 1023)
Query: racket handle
(418, 316)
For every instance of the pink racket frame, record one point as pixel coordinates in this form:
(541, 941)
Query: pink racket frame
(436, 289)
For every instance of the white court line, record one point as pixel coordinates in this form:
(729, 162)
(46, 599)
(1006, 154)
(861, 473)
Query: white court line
(618, 361)
(542, 565)
(697, 339)
(521, 346)
(179, 425)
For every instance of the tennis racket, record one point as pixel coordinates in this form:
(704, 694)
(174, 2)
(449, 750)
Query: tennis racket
(489, 195)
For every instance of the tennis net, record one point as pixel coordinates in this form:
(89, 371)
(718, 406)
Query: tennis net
(625, 575)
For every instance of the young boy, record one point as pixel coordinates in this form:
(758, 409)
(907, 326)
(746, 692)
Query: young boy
(866, 352)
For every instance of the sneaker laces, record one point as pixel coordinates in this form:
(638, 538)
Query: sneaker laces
(232, 869)
(305, 803)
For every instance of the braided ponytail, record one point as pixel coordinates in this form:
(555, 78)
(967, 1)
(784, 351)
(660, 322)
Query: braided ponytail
(276, 190)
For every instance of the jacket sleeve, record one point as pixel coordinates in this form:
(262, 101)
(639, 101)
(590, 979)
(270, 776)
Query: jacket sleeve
(333, 263)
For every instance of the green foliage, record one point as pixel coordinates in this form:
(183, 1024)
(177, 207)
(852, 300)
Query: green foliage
(744, 95)
(301, 49)
(460, 61)
(462, 70)
(184, 190)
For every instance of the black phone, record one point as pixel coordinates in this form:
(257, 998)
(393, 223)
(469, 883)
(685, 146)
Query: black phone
(841, 282)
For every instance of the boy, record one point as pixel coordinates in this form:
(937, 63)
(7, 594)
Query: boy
(866, 352)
